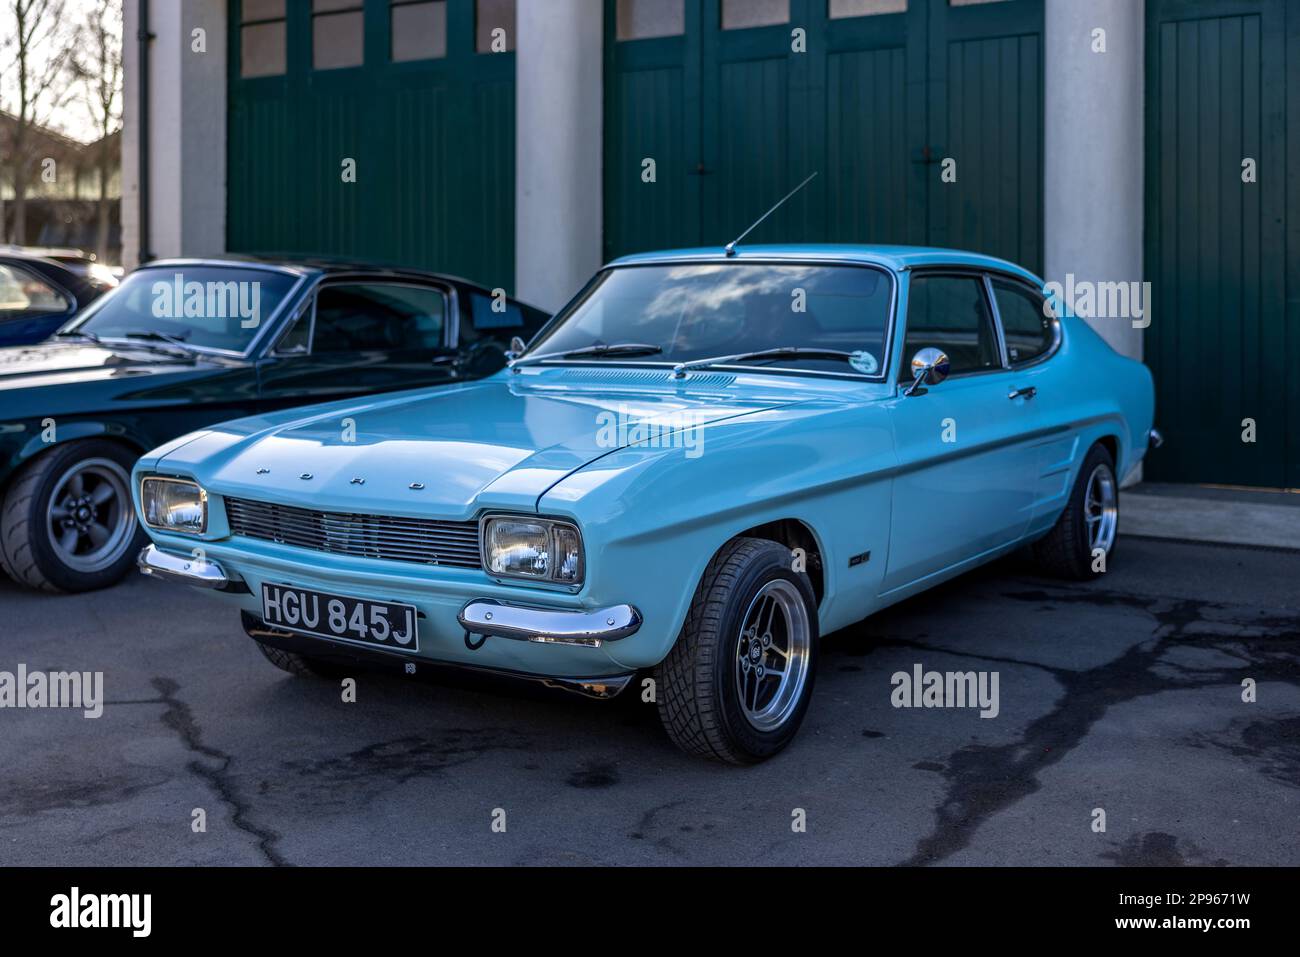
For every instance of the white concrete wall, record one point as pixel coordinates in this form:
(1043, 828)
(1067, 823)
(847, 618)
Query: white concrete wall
(558, 129)
(1093, 149)
(187, 131)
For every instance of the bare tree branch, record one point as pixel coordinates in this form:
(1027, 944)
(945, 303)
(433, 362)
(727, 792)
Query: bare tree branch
(43, 41)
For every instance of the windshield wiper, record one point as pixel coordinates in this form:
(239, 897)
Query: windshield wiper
(88, 336)
(784, 352)
(160, 342)
(155, 335)
(599, 350)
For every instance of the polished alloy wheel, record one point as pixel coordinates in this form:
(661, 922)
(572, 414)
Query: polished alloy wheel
(773, 654)
(90, 520)
(1101, 508)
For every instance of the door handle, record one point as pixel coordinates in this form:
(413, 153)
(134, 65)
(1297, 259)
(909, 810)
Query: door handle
(1028, 392)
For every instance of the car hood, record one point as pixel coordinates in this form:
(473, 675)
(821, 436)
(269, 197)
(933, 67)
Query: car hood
(66, 378)
(448, 453)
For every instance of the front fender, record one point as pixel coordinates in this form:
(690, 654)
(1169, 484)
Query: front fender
(653, 518)
(26, 440)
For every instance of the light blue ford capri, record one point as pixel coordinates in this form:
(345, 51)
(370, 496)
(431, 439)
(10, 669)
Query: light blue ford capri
(704, 462)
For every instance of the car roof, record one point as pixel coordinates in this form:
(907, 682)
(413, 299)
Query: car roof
(312, 265)
(52, 270)
(896, 258)
(27, 257)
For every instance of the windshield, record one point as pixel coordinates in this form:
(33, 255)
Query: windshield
(215, 307)
(698, 311)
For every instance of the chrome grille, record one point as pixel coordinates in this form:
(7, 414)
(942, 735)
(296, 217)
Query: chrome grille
(419, 540)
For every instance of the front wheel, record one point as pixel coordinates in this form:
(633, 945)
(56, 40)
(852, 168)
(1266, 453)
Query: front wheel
(736, 685)
(68, 523)
(1081, 543)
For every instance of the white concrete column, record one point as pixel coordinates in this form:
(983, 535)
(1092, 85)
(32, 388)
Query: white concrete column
(1093, 149)
(187, 130)
(558, 128)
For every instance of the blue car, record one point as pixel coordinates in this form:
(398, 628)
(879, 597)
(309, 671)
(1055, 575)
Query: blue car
(703, 463)
(40, 294)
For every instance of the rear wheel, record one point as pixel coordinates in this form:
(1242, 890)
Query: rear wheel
(1082, 541)
(67, 522)
(736, 685)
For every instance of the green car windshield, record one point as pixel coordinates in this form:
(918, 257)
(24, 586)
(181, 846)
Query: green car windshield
(703, 310)
(213, 307)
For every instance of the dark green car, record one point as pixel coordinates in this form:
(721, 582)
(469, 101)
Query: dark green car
(183, 344)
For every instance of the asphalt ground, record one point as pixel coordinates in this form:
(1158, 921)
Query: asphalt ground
(1123, 696)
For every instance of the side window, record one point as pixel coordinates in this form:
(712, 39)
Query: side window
(1025, 326)
(508, 321)
(378, 316)
(950, 313)
(23, 291)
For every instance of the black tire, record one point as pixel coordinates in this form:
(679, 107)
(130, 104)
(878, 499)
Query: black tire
(26, 550)
(301, 666)
(697, 684)
(1065, 551)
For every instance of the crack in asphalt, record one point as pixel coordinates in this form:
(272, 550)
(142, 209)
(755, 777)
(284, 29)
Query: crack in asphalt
(179, 718)
(648, 825)
(983, 780)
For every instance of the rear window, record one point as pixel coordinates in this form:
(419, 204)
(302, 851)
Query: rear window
(24, 291)
(507, 314)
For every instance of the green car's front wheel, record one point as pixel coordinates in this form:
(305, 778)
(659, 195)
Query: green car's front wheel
(736, 685)
(67, 523)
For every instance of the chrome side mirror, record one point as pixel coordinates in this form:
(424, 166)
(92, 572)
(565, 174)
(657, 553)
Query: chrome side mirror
(929, 367)
(517, 347)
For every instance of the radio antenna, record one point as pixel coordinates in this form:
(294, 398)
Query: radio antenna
(730, 248)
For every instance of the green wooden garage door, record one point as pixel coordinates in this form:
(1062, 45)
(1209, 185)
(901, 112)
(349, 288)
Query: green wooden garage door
(413, 92)
(733, 117)
(1223, 255)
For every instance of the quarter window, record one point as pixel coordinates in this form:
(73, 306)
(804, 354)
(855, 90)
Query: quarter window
(952, 314)
(378, 317)
(1025, 326)
(297, 341)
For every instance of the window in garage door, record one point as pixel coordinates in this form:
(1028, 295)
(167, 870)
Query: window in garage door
(261, 38)
(733, 118)
(405, 94)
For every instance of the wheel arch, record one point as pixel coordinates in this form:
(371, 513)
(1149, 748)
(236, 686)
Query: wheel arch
(67, 434)
(793, 533)
(1110, 442)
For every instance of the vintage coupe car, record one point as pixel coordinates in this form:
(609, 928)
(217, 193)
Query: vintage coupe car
(176, 347)
(703, 463)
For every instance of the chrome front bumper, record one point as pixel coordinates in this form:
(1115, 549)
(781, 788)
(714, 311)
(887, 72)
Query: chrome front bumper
(549, 625)
(181, 568)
